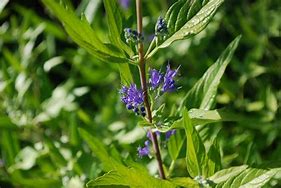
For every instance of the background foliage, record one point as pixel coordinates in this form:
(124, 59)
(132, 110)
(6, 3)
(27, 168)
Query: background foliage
(54, 93)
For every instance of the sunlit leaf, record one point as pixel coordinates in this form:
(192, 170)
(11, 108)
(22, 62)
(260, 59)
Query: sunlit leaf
(193, 26)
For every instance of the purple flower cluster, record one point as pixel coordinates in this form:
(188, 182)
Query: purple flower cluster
(156, 78)
(145, 151)
(161, 28)
(133, 99)
(132, 36)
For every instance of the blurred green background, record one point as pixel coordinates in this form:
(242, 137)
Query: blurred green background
(49, 87)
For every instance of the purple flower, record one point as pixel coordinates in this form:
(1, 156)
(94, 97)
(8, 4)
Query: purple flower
(132, 36)
(133, 98)
(161, 27)
(169, 82)
(170, 133)
(155, 78)
(145, 150)
(125, 3)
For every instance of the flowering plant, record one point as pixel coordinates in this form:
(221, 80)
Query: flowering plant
(184, 124)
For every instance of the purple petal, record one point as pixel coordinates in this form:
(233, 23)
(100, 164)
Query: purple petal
(143, 151)
(155, 78)
(170, 133)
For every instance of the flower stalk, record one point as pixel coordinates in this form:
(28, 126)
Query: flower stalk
(142, 71)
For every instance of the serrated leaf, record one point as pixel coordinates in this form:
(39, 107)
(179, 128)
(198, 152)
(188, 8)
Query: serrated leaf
(172, 15)
(243, 178)
(82, 33)
(203, 93)
(225, 174)
(195, 151)
(192, 27)
(182, 18)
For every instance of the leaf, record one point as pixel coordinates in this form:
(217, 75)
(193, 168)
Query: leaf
(225, 174)
(213, 160)
(195, 151)
(185, 182)
(172, 15)
(192, 27)
(110, 178)
(114, 21)
(203, 93)
(119, 174)
(175, 144)
(244, 177)
(125, 74)
(181, 15)
(202, 117)
(82, 33)
(9, 146)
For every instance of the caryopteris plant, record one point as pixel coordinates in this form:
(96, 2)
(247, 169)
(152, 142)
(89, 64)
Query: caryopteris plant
(180, 130)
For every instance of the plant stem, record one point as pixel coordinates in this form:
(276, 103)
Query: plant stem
(144, 89)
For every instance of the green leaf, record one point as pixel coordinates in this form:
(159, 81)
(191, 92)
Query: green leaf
(125, 74)
(195, 151)
(82, 33)
(250, 177)
(185, 182)
(172, 15)
(181, 16)
(213, 160)
(175, 144)
(203, 93)
(119, 174)
(110, 178)
(225, 174)
(192, 27)
(202, 117)
(9, 146)
(114, 21)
